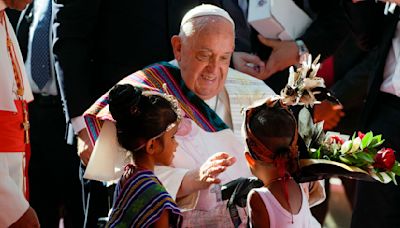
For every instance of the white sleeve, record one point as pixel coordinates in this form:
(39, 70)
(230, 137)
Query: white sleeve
(78, 123)
(12, 201)
(172, 178)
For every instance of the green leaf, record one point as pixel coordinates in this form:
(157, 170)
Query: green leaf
(319, 153)
(392, 176)
(376, 141)
(380, 177)
(354, 136)
(315, 153)
(366, 140)
(352, 159)
(311, 152)
(365, 157)
(318, 133)
(396, 168)
(345, 160)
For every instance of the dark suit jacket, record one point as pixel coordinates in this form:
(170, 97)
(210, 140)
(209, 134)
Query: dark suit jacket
(13, 16)
(377, 204)
(325, 34)
(22, 29)
(387, 30)
(97, 43)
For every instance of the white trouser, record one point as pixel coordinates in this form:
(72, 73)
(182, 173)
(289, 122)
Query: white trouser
(12, 201)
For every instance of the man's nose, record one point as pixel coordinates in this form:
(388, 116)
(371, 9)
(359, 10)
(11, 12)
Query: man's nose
(212, 66)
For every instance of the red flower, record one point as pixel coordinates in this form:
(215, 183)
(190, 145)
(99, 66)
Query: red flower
(360, 135)
(336, 139)
(385, 159)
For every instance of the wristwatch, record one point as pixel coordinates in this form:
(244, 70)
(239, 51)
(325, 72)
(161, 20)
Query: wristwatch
(303, 50)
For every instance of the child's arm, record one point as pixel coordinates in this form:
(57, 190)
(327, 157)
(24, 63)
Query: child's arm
(163, 221)
(258, 212)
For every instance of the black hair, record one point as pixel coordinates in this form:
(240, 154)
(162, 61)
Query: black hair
(269, 124)
(139, 117)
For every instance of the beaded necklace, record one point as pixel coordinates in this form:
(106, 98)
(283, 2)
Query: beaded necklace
(283, 181)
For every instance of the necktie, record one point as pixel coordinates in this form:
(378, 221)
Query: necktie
(40, 52)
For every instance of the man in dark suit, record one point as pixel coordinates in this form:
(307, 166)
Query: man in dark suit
(97, 43)
(377, 205)
(55, 189)
(325, 34)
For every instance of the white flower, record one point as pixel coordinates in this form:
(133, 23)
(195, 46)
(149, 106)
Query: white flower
(292, 77)
(356, 145)
(311, 83)
(315, 69)
(346, 146)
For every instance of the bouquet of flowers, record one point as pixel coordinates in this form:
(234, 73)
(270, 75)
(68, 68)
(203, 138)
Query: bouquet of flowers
(362, 154)
(361, 157)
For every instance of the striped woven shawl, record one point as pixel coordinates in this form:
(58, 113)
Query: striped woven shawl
(154, 77)
(141, 201)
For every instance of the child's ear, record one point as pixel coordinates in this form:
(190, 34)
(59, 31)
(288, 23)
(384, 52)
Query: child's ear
(250, 159)
(150, 146)
(153, 146)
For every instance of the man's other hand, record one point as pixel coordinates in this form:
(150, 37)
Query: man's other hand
(248, 63)
(284, 54)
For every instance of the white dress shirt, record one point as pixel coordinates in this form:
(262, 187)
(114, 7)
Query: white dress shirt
(391, 74)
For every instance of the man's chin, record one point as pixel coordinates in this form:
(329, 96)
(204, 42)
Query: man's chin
(205, 95)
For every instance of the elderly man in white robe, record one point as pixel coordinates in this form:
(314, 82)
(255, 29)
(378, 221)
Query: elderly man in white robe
(205, 158)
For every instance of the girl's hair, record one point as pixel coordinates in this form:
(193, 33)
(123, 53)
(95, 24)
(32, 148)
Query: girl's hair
(139, 117)
(268, 123)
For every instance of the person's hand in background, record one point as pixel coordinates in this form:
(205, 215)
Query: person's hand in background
(329, 113)
(248, 63)
(284, 54)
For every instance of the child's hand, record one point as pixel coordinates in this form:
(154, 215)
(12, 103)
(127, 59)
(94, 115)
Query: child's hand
(216, 164)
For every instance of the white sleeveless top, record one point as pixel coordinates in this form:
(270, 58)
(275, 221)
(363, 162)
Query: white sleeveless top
(279, 216)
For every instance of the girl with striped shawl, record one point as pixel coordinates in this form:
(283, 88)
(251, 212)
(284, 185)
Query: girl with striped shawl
(146, 123)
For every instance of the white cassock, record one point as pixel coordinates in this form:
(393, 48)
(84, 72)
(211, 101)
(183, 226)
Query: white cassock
(12, 201)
